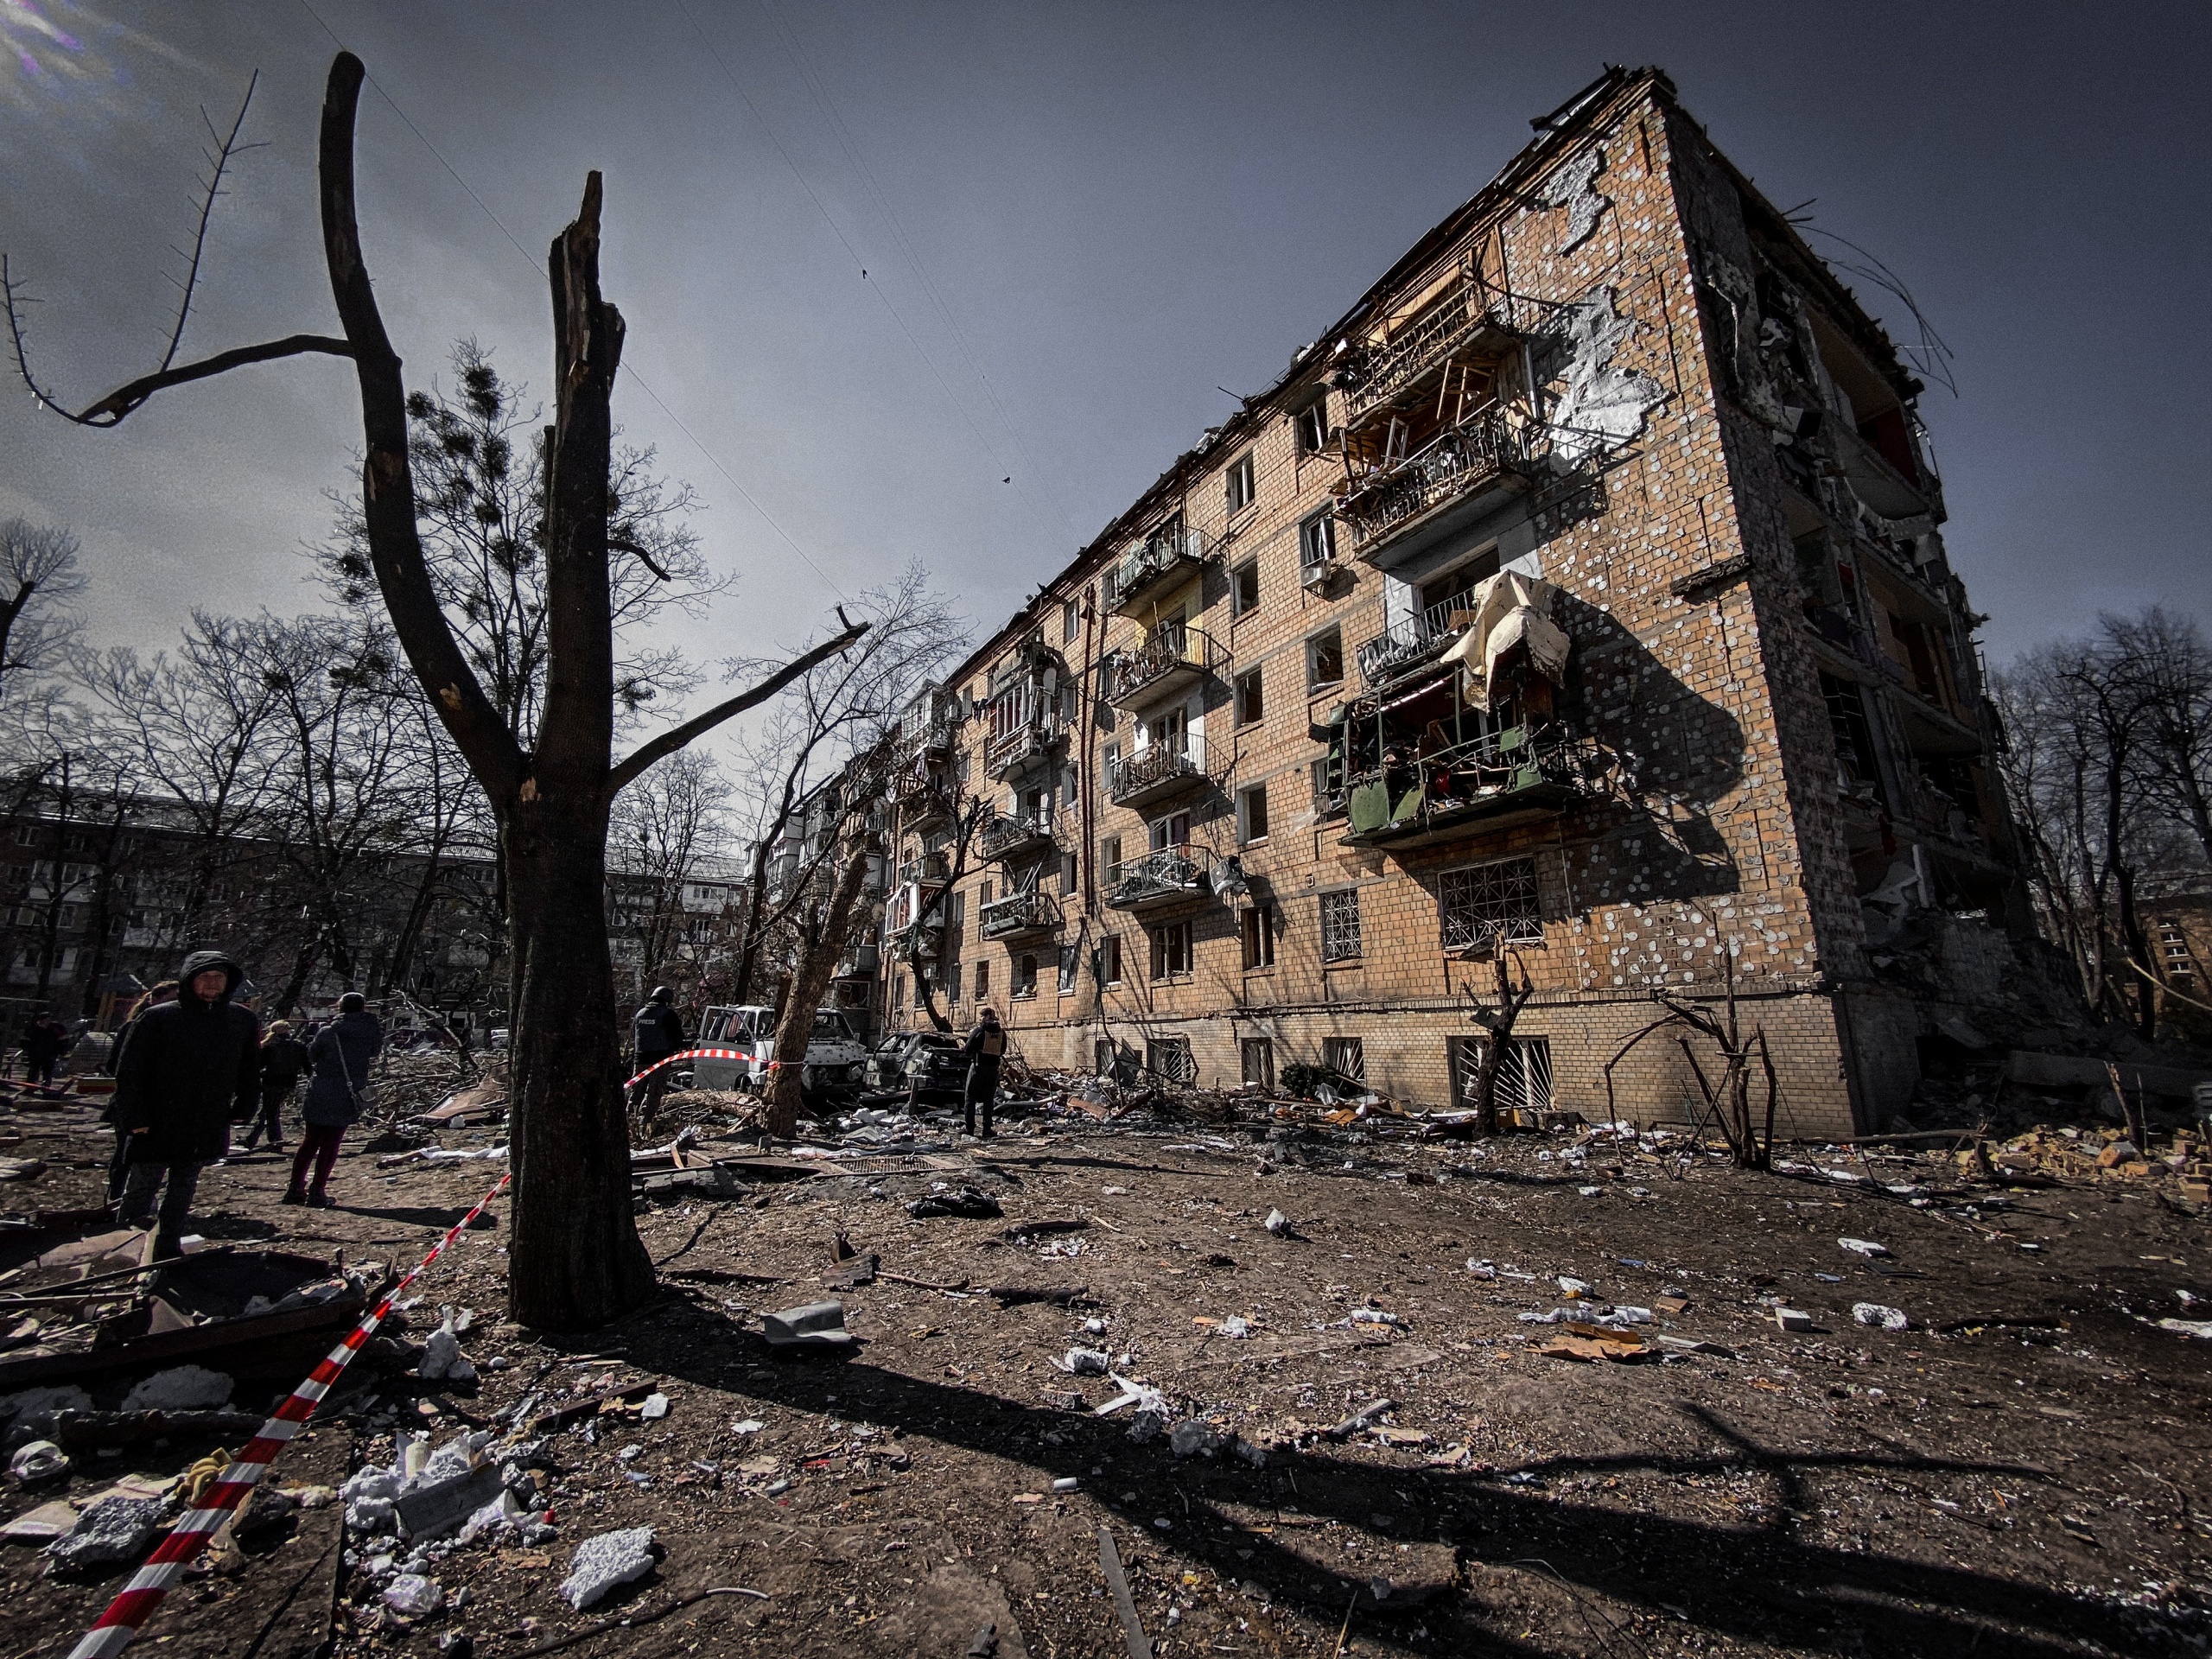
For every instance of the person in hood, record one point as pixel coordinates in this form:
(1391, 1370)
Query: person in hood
(655, 1032)
(44, 1043)
(283, 1058)
(985, 1048)
(188, 1068)
(338, 1090)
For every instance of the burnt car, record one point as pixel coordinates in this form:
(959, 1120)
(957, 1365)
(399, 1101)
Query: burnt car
(931, 1058)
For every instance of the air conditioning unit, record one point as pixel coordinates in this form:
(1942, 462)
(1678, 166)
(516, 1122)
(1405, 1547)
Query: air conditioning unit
(1316, 574)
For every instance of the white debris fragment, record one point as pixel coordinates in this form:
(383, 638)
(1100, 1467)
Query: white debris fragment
(442, 1360)
(1573, 1289)
(1866, 1246)
(1086, 1362)
(1791, 1318)
(1236, 1325)
(1482, 1267)
(1874, 1315)
(603, 1563)
(747, 1426)
(185, 1388)
(1278, 1224)
(1375, 1316)
(40, 1460)
(656, 1407)
(2201, 1329)
(412, 1594)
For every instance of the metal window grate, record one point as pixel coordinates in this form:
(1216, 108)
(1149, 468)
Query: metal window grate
(1340, 925)
(1170, 1057)
(1476, 905)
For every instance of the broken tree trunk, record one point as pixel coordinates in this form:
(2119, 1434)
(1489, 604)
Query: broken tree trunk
(808, 984)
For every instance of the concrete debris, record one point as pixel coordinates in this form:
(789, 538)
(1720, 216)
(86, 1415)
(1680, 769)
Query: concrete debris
(1194, 1436)
(41, 1525)
(434, 1509)
(1086, 1362)
(606, 1562)
(817, 1325)
(2201, 1329)
(113, 1530)
(1791, 1318)
(411, 1595)
(1866, 1246)
(186, 1387)
(1876, 1317)
(1279, 1225)
(442, 1361)
(31, 1403)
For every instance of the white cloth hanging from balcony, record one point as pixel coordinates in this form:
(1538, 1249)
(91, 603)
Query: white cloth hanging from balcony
(1509, 609)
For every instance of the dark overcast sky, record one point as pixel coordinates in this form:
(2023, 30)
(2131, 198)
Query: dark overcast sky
(1077, 223)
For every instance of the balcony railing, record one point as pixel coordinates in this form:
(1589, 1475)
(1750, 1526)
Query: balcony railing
(1155, 773)
(1170, 555)
(1020, 741)
(1009, 838)
(1520, 774)
(1449, 326)
(931, 869)
(1419, 639)
(1461, 461)
(1164, 877)
(1173, 661)
(1018, 914)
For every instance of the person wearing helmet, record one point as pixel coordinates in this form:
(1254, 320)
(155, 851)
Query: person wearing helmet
(191, 1068)
(655, 1032)
(985, 1048)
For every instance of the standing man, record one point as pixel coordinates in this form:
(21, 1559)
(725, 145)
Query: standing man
(655, 1032)
(985, 1048)
(338, 1090)
(283, 1058)
(189, 1067)
(43, 1046)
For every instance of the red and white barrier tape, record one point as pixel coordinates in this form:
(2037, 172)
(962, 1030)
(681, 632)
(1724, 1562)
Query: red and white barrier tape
(128, 1613)
(691, 1054)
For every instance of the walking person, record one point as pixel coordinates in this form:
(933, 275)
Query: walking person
(187, 1068)
(338, 1085)
(985, 1048)
(655, 1032)
(164, 991)
(283, 1059)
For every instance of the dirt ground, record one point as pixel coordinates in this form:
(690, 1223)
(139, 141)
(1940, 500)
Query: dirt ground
(2023, 1472)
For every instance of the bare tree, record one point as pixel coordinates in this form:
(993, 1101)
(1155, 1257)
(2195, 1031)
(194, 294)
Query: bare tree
(38, 578)
(577, 1259)
(1498, 1025)
(664, 827)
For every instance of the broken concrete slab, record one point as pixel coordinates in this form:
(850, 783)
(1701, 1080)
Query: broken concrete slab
(817, 1325)
(113, 1530)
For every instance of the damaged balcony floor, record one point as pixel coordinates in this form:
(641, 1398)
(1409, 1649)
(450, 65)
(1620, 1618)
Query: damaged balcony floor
(2035, 1487)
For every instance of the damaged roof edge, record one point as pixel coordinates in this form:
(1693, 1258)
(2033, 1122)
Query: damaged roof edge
(1579, 113)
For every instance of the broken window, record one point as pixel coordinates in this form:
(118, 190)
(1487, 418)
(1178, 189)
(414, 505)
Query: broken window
(983, 979)
(1853, 734)
(1109, 961)
(1250, 704)
(1110, 857)
(1524, 1072)
(1325, 659)
(1239, 482)
(1480, 905)
(1256, 1062)
(1025, 976)
(1174, 830)
(1170, 1057)
(1340, 925)
(1069, 957)
(1311, 425)
(1316, 540)
(1252, 814)
(1244, 588)
(1258, 925)
(1347, 1056)
(1170, 950)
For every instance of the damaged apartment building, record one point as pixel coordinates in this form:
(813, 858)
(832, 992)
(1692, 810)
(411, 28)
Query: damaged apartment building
(1581, 589)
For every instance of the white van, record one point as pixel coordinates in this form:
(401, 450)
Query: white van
(834, 1059)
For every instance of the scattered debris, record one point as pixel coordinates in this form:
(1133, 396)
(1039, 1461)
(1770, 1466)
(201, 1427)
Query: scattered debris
(1874, 1315)
(608, 1561)
(817, 1325)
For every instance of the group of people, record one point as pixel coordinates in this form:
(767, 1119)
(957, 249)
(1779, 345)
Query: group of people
(190, 1062)
(43, 1045)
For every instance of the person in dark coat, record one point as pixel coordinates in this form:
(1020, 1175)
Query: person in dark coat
(985, 1048)
(338, 1085)
(188, 1068)
(283, 1058)
(655, 1032)
(164, 991)
(43, 1045)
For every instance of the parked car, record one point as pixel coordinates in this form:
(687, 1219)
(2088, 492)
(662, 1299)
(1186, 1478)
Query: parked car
(931, 1057)
(834, 1058)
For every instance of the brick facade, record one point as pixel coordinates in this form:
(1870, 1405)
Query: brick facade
(1601, 371)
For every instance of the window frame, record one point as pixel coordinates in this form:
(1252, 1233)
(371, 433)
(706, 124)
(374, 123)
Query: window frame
(1310, 427)
(1247, 798)
(1331, 638)
(1337, 1050)
(1241, 574)
(1263, 1049)
(1463, 931)
(1334, 933)
(1251, 702)
(1317, 530)
(1070, 621)
(1256, 932)
(1171, 941)
(1109, 970)
(1241, 484)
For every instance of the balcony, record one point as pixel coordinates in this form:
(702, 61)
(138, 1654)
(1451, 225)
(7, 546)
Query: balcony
(861, 962)
(1020, 742)
(1020, 916)
(1165, 666)
(1010, 837)
(1455, 326)
(1517, 776)
(1452, 476)
(929, 870)
(1156, 879)
(1418, 640)
(1168, 557)
(1153, 774)
(923, 790)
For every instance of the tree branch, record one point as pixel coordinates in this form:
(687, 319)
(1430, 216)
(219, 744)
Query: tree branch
(675, 737)
(112, 409)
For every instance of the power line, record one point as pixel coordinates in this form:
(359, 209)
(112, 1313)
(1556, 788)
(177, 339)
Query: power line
(643, 385)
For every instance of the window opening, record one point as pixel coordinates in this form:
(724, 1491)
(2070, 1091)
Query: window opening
(1476, 905)
(1340, 925)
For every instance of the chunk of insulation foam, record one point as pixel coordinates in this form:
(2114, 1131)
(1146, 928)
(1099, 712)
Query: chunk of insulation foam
(606, 1562)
